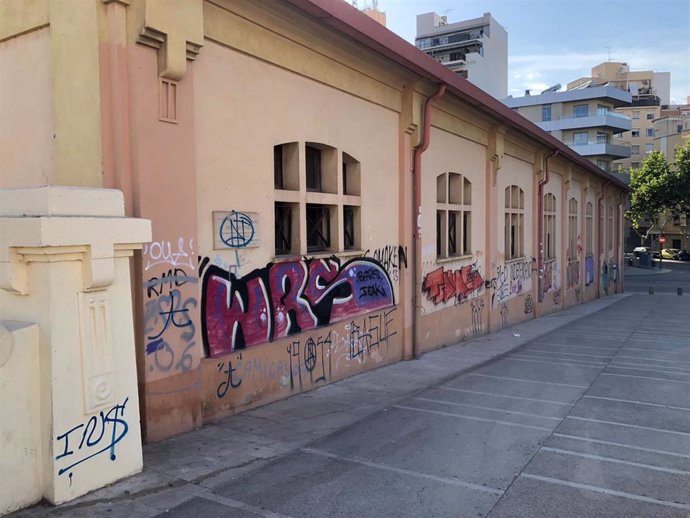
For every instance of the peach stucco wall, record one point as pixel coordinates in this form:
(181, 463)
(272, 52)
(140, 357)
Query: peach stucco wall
(26, 117)
(238, 121)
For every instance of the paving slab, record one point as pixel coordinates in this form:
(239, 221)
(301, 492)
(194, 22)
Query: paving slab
(530, 498)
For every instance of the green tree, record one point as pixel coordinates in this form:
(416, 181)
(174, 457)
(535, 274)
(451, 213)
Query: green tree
(659, 190)
(651, 193)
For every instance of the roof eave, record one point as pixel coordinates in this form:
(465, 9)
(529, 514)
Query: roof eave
(350, 21)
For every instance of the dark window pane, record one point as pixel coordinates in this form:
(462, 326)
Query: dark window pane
(345, 178)
(466, 233)
(439, 237)
(349, 226)
(452, 245)
(313, 169)
(283, 228)
(278, 167)
(318, 228)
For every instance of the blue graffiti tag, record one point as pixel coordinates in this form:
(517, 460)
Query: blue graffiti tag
(92, 439)
(237, 230)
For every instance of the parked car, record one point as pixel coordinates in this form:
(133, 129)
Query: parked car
(641, 250)
(684, 255)
(670, 253)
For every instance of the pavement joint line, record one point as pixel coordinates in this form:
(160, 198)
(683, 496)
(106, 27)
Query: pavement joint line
(577, 346)
(419, 474)
(505, 396)
(584, 366)
(615, 461)
(643, 369)
(513, 412)
(645, 377)
(627, 425)
(230, 502)
(687, 409)
(527, 381)
(603, 490)
(473, 418)
(547, 351)
(621, 445)
(555, 358)
(662, 367)
(603, 337)
(653, 359)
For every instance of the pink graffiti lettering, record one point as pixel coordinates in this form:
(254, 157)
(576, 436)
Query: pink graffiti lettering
(286, 298)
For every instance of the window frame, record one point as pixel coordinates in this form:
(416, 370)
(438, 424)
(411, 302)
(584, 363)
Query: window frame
(572, 253)
(317, 200)
(549, 226)
(453, 215)
(589, 228)
(514, 223)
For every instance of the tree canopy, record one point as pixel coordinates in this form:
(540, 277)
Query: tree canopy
(660, 187)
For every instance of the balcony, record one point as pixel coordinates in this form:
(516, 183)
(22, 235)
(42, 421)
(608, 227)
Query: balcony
(615, 148)
(601, 119)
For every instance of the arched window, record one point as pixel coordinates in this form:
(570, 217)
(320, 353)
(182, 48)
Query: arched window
(609, 230)
(589, 239)
(330, 211)
(549, 226)
(514, 222)
(572, 229)
(453, 215)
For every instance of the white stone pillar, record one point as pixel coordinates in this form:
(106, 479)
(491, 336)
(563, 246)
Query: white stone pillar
(64, 264)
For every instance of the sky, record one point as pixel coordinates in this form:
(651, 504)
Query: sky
(557, 41)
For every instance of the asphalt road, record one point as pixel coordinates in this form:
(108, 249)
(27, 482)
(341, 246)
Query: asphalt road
(592, 420)
(678, 277)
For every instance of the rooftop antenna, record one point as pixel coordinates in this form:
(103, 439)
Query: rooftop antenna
(609, 51)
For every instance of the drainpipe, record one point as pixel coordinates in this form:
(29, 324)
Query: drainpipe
(600, 244)
(417, 218)
(540, 223)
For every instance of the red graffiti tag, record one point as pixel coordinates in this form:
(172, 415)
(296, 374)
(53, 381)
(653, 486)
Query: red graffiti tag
(443, 285)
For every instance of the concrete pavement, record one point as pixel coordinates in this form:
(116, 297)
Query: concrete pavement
(581, 413)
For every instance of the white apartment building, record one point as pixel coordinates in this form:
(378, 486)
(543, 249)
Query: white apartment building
(583, 118)
(475, 49)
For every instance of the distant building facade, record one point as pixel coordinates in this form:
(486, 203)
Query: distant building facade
(583, 118)
(475, 49)
(640, 83)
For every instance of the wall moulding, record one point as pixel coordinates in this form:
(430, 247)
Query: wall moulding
(176, 29)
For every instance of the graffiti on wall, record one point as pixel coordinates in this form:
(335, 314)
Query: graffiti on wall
(167, 323)
(286, 298)
(443, 285)
(99, 435)
(167, 253)
(393, 258)
(170, 306)
(573, 274)
(235, 229)
(510, 280)
(550, 276)
(609, 275)
(557, 297)
(313, 359)
(477, 306)
(589, 270)
(529, 304)
(503, 309)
